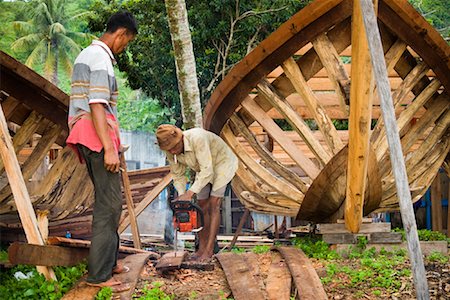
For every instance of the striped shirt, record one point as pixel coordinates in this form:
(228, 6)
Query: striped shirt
(208, 155)
(93, 81)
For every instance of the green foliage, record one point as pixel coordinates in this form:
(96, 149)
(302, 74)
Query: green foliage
(437, 256)
(154, 292)
(3, 255)
(104, 294)
(437, 13)
(371, 269)
(36, 287)
(151, 65)
(138, 112)
(46, 37)
(261, 249)
(315, 248)
(237, 250)
(425, 235)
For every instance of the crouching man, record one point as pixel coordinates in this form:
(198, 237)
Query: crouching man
(215, 165)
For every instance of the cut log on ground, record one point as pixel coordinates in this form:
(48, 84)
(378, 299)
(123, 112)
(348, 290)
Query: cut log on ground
(171, 261)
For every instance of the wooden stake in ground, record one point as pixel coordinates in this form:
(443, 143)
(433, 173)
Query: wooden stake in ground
(129, 200)
(239, 228)
(20, 192)
(396, 155)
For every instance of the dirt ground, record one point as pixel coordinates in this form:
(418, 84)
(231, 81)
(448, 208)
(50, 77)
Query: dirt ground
(194, 284)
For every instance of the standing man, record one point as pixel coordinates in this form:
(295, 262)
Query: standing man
(94, 135)
(215, 165)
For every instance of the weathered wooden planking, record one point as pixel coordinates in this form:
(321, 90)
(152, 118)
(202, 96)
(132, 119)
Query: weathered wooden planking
(57, 240)
(136, 264)
(240, 278)
(45, 255)
(365, 228)
(171, 261)
(305, 277)
(279, 280)
(373, 238)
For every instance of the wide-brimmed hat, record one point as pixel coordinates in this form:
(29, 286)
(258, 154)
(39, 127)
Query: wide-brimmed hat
(168, 136)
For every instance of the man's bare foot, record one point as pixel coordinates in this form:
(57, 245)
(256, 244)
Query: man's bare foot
(204, 258)
(115, 285)
(121, 268)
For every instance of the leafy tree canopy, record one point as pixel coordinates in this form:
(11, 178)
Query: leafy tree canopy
(223, 32)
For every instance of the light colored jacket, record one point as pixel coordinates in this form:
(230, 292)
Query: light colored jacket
(208, 155)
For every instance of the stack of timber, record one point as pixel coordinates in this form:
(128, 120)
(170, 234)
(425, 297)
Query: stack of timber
(278, 107)
(36, 110)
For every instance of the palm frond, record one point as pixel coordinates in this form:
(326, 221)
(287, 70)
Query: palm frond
(69, 45)
(65, 62)
(26, 43)
(38, 54)
(80, 37)
(22, 27)
(50, 64)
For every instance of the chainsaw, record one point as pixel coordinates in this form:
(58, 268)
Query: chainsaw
(186, 215)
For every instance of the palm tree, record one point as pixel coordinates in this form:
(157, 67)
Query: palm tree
(48, 40)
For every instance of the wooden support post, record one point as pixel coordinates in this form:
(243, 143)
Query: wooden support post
(130, 205)
(227, 213)
(20, 192)
(147, 200)
(239, 228)
(436, 204)
(396, 155)
(275, 223)
(361, 96)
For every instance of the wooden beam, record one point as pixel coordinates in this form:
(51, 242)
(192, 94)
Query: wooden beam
(244, 285)
(398, 164)
(436, 204)
(279, 280)
(9, 105)
(146, 201)
(305, 277)
(20, 192)
(170, 261)
(278, 184)
(434, 111)
(129, 201)
(293, 72)
(361, 96)
(24, 133)
(279, 136)
(267, 156)
(298, 124)
(46, 255)
(36, 158)
(239, 228)
(331, 60)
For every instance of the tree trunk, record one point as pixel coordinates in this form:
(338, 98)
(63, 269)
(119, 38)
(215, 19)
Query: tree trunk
(185, 63)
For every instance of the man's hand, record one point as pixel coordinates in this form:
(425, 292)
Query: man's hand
(111, 161)
(186, 196)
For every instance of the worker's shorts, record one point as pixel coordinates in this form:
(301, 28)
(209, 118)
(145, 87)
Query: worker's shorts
(206, 192)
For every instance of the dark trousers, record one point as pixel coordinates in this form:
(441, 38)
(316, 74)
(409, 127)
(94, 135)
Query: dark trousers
(107, 209)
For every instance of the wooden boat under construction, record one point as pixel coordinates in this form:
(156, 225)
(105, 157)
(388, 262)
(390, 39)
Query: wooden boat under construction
(63, 193)
(279, 110)
(280, 106)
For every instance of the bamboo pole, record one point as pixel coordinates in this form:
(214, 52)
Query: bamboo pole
(20, 192)
(396, 155)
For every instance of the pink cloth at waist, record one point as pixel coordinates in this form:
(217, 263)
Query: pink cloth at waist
(84, 133)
